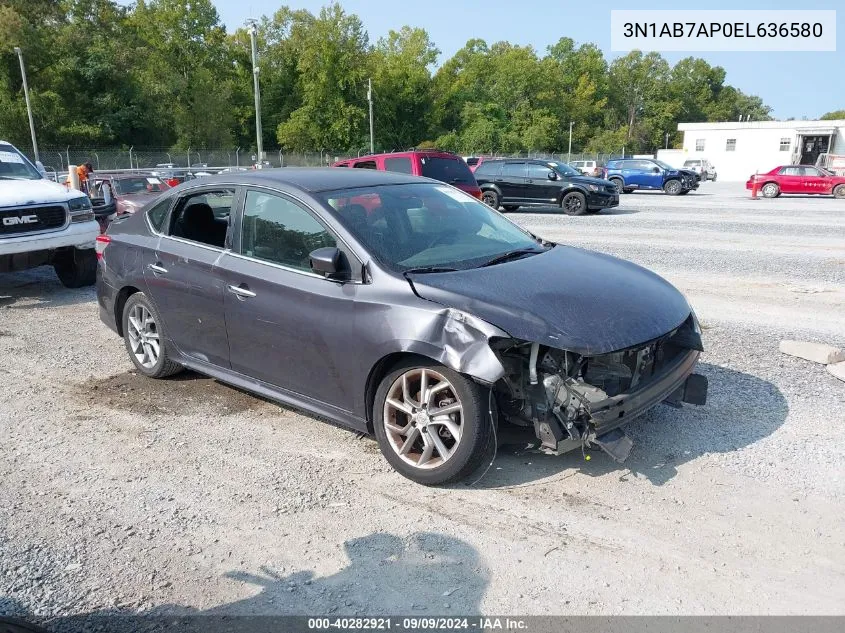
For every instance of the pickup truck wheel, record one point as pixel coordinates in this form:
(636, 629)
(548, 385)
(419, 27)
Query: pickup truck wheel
(491, 199)
(431, 422)
(770, 190)
(76, 267)
(673, 187)
(574, 203)
(143, 335)
(839, 191)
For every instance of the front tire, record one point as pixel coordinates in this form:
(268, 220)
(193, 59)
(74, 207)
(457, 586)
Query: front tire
(673, 187)
(490, 198)
(77, 267)
(431, 422)
(574, 203)
(143, 335)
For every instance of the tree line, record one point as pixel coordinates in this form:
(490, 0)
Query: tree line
(166, 73)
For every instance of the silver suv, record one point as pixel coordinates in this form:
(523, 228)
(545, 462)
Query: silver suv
(702, 167)
(44, 223)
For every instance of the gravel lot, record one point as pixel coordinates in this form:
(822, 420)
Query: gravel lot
(121, 494)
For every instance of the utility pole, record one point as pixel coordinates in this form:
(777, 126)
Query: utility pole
(569, 153)
(667, 140)
(370, 100)
(253, 35)
(28, 106)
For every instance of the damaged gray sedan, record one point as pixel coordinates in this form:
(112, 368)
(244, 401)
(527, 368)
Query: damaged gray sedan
(396, 306)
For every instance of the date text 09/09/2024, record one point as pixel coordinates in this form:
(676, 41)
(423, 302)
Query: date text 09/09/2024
(723, 29)
(418, 624)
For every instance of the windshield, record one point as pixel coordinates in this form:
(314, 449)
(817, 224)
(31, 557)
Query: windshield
(451, 170)
(564, 169)
(15, 166)
(426, 226)
(128, 186)
(664, 165)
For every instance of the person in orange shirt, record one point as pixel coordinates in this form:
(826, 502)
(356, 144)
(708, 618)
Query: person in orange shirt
(82, 172)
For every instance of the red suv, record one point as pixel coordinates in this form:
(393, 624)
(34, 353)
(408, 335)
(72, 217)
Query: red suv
(435, 164)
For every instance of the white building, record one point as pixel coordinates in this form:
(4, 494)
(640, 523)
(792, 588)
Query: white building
(739, 149)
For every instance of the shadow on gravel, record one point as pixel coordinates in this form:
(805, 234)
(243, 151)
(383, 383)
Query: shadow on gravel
(741, 409)
(541, 210)
(38, 288)
(422, 575)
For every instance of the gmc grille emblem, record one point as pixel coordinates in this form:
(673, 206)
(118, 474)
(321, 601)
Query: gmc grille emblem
(24, 219)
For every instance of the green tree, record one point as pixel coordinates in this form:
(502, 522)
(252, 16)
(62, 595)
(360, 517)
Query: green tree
(836, 115)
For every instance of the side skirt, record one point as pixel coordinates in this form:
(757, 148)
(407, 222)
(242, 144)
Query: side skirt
(283, 396)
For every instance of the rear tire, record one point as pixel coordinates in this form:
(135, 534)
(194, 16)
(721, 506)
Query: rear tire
(490, 198)
(145, 339)
(77, 267)
(574, 203)
(395, 426)
(839, 191)
(619, 185)
(673, 187)
(770, 190)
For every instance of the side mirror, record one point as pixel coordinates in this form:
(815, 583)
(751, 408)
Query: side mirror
(552, 175)
(656, 170)
(329, 262)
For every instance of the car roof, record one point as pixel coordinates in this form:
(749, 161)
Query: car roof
(313, 179)
(437, 153)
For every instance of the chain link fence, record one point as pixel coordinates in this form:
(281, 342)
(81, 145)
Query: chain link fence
(57, 159)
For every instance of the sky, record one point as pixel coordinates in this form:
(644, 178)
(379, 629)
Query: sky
(794, 84)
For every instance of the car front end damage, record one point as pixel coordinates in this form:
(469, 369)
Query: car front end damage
(574, 401)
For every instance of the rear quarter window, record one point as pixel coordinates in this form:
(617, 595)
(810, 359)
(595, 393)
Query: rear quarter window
(401, 164)
(449, 170)
(488, 169)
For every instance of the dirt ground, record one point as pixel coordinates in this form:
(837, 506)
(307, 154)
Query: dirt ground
(124, 494)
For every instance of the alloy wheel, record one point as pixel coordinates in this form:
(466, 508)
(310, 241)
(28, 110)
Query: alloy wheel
(490, 199)
(143, 336)
(423, 418)
(572, 204)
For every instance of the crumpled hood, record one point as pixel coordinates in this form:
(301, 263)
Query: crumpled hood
(15, 193)
(567, 298)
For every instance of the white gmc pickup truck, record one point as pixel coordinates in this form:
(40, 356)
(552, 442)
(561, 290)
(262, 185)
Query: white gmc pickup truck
(44, 223)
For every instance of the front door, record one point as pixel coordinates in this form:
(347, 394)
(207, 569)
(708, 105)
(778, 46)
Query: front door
(183, 276)
(287, 326)
(538, 187)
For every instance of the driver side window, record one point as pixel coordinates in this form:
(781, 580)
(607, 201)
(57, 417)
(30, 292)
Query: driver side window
(276, 229)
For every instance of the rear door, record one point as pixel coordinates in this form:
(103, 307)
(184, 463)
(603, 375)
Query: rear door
(790, 180)
(511, 181)
(287, 325)
(183, 275)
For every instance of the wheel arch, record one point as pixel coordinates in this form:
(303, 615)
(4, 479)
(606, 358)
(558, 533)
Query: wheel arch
(571, 188)
(119, 303)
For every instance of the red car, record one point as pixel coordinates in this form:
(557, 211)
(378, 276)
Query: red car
(439, 165)
(798, 179)
(130, 191)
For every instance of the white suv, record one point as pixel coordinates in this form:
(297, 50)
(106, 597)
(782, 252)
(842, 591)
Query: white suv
(44, 223)
(702, 167)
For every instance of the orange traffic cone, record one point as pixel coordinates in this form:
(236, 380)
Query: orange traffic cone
(754, 188)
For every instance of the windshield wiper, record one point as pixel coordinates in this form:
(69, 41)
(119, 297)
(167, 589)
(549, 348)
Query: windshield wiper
(511, 255)
(429, 269)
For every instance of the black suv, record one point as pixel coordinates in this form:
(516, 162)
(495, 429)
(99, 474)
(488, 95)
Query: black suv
(511, 183)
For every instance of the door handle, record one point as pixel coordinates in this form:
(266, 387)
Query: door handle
(240, 293)
(157, 269)
(529, 181)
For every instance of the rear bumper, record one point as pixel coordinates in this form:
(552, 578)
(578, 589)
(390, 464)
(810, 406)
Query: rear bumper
(80, 235)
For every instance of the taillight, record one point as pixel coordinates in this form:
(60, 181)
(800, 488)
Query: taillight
(476, 193)
(100, 245)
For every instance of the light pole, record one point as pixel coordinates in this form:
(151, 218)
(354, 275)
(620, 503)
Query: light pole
(28, 106)
(253, 33)
(569, 153)
(667, 140)
(370, 100)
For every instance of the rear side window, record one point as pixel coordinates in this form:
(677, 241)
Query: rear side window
(203, 217)
(278, 230)
(490, 168)
(366, 164)
(449, 170)
(514, 169)
(157, 214)
(401, 164)
(613, 164)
